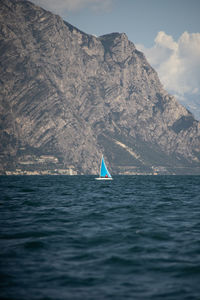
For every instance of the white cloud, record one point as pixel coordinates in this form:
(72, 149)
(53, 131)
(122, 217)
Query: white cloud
(177, 64)
(61, 7)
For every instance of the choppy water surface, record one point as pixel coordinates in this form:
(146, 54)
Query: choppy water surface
(71, 237)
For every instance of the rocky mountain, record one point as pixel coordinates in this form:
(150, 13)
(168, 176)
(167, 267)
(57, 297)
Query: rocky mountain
(66, 97)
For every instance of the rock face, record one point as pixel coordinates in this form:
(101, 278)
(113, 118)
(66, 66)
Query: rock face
(66, 97)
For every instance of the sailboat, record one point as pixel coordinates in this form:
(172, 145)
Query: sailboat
(104, 173)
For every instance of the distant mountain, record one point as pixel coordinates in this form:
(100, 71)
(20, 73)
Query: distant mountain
(192, 103)
(66, 97)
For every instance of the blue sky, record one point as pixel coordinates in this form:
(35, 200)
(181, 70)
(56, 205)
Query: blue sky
(167, 31)
(141, 20)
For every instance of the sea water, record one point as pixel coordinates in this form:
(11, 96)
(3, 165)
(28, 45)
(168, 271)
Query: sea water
(72, 237)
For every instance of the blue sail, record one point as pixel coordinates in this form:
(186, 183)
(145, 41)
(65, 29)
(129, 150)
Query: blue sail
(104, 171)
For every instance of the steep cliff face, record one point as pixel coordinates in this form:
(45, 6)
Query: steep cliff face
(70, 96)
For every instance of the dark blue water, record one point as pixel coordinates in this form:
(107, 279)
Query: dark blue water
(71, 237)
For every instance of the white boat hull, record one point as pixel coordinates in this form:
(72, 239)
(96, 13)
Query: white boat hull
(103, 178)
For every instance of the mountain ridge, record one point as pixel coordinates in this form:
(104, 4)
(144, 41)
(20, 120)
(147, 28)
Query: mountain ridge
(70, 96)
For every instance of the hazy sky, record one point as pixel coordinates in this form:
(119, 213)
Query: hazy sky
(167, 31)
